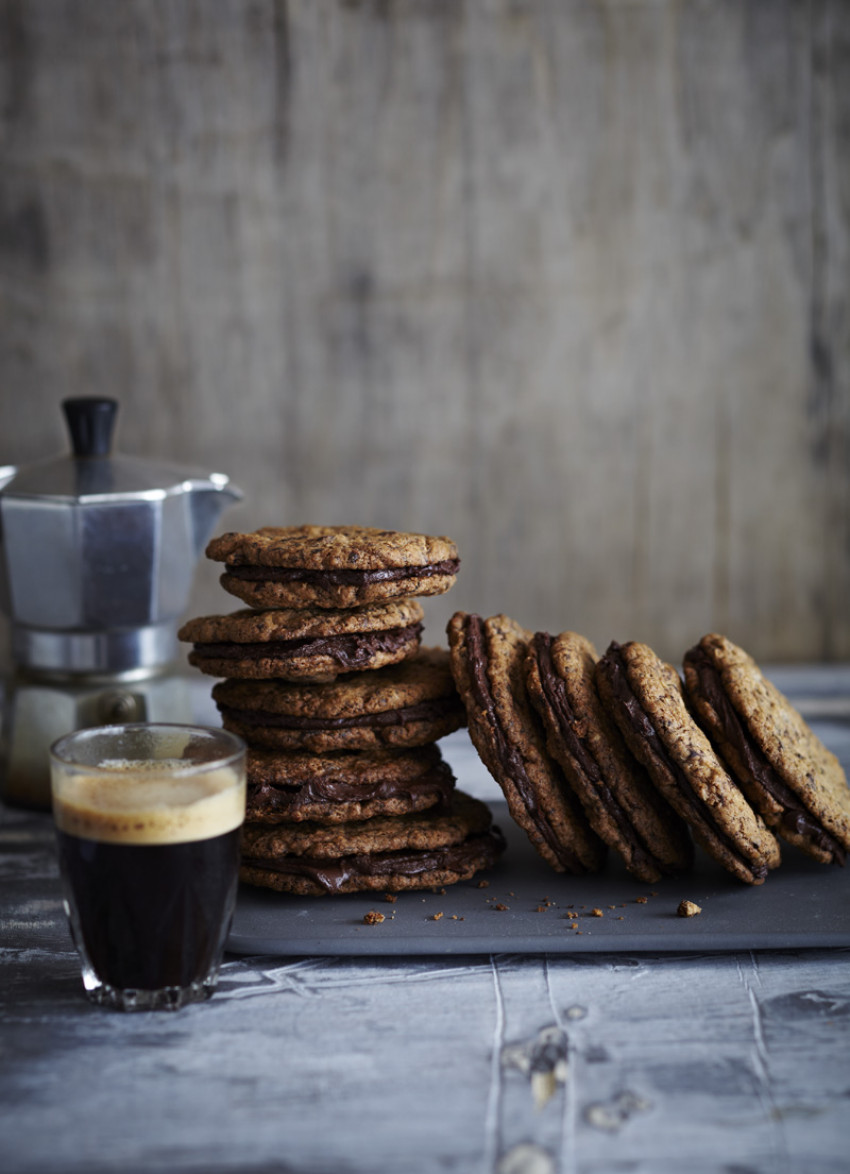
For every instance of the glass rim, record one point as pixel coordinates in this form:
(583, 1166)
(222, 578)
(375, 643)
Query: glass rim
(237, 743)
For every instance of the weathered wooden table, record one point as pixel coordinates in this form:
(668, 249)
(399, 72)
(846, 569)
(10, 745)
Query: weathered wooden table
(729, 1061)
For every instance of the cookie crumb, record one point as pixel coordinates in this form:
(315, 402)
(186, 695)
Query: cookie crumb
(541, 909)
(483, 884)
(391, 897)
(688, 909)
(436, 916)
(641, 900)
(502, 908)
(573, 925)
(596, 913)
(373, 917)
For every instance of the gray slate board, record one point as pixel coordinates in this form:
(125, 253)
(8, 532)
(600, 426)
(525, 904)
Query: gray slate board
(802, 904)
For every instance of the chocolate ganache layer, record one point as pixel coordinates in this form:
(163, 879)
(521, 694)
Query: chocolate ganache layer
(796, 817)
(509, 758)
(350, 650)
(331, 875)
(559, 705)
(631, 708)
(342, 577)
(438, 780)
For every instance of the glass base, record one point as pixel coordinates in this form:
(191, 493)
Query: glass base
(169, 998)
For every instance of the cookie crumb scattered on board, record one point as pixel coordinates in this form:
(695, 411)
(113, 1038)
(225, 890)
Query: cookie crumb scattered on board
(373, 917)
(436, 916)
(688, 909)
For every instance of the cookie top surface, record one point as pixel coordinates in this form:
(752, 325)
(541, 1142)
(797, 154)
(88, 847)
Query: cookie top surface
(359, 548)
(254, 627)
(425, 676)
(769, 744)
(294, 769)
(622, 805)
(645, 696)
(488, 662)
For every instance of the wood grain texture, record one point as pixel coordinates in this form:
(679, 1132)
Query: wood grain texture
(566, 280)
(501, 1064)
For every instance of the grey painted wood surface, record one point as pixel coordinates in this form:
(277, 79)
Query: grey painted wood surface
(599, 1063)
(502, 1064)
(566, 279)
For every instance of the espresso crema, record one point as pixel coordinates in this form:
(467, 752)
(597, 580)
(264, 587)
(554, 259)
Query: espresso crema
(149, 802)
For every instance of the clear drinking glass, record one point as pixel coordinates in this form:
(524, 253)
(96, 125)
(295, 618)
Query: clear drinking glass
(148, 821)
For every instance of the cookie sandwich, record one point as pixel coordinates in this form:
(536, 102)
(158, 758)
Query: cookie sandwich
(789, 776)
(622, 806)
(345, 785)
(304, 644)
(407, 704)
(386, 853)
(332, 566)
(645, 697)
(488, 662)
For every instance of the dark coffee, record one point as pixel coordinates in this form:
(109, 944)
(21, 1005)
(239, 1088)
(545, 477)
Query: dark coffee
(149, 854)
(151, 915)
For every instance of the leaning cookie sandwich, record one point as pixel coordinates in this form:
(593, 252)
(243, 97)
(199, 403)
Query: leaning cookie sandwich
(789, 776)
(623, 807)
(644, 695)
(488, 663)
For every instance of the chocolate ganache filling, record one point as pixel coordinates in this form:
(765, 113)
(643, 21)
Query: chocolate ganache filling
(430, 711)
(349, 650)
(480, 851)
(341, 577)
(509, 758)
(559, 704)
(796, 817)
(632, 709)
(333, 789)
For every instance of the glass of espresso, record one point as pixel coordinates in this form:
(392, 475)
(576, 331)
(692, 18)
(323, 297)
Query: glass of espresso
(148, 821)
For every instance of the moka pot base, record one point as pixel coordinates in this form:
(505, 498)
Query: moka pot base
(42, 706)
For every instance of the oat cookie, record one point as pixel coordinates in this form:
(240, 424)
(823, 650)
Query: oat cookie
(332, 566)
(304, 644)
(347, 785)
(488, 662)
(644, 696)
(621, 804)
(387, 853)
(407, 704)
(789, 776)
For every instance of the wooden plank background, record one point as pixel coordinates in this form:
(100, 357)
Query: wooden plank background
(564, 279)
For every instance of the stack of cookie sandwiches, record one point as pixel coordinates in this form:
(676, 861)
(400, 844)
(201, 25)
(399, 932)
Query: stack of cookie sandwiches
(325, 677)
(620, 752)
